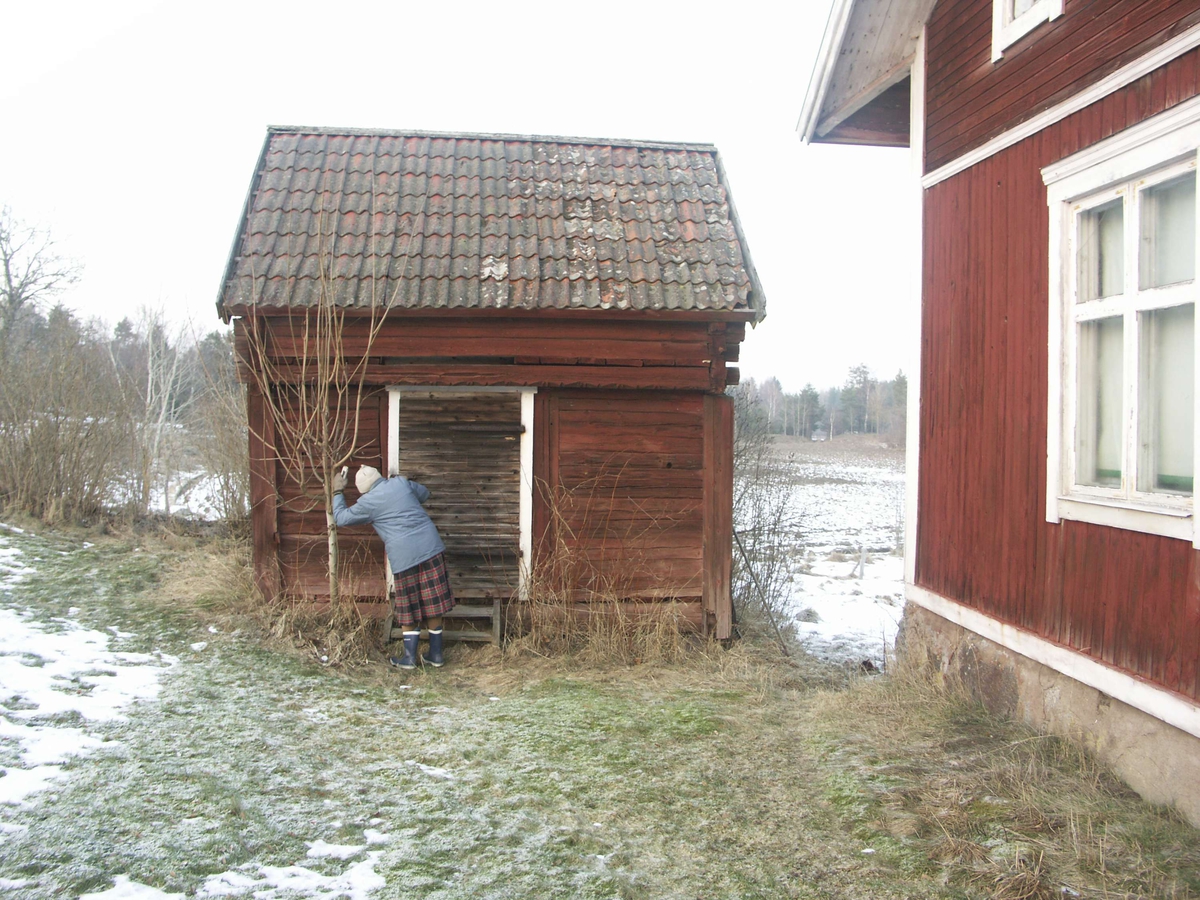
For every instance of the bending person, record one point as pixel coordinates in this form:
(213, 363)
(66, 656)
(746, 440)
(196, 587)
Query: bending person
(394, 508)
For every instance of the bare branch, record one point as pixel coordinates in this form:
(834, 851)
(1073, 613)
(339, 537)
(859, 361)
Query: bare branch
(31, 271)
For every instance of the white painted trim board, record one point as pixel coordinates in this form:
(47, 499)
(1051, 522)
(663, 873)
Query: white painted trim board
(1126, 75)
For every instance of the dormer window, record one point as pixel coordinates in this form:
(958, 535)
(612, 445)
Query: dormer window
(1013, 19)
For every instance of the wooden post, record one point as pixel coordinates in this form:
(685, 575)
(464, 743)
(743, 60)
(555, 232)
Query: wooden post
(263, 515)
(718, 516)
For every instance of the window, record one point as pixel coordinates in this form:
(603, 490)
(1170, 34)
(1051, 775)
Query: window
(1013, 19)
(1122, 427)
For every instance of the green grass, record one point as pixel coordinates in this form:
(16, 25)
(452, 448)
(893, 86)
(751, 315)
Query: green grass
(724, 778)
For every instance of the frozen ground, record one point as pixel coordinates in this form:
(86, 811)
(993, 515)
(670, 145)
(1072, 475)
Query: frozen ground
(848, 588)
(63, 686)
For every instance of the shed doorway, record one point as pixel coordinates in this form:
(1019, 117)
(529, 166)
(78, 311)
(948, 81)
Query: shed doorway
(473, 448)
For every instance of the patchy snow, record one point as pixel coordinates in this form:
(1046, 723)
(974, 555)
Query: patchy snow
(319, 849)
(55, 673)
(355, 883)
(124, 889)
(12, 570)
(193, 495)
(848, 587)
(431, 771)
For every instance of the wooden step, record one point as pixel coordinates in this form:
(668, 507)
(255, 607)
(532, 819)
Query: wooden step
(462, 611)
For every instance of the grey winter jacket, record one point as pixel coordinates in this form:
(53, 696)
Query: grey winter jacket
(393, 507)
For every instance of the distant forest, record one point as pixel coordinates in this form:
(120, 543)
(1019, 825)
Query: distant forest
(862, 404)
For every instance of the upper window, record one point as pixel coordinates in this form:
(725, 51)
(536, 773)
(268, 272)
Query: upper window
(1013, 19)
(1123, 338)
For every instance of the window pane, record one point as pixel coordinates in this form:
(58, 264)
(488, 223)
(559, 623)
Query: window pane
(1165, 387)
(1102, 251)
(1098, 426)
(1168, 254)
(1021, 6)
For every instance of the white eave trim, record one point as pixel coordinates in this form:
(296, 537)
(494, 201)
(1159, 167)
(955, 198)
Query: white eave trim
(1139, 68)
(827, 56)
(1150, 699)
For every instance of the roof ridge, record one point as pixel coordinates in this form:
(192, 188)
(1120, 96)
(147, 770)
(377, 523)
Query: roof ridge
(493, 136)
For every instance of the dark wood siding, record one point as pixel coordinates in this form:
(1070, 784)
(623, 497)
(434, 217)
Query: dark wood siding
(970, 99)
(1128, 599)
(627, 479)
(300, 520)
(466, 448)
(630, 427)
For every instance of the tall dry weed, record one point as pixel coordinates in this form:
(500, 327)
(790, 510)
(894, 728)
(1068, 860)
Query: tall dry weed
(593, 607)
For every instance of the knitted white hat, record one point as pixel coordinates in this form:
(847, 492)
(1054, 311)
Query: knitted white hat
(366, 478)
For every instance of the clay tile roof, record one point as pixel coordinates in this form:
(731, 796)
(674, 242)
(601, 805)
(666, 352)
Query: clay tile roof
(488, 221)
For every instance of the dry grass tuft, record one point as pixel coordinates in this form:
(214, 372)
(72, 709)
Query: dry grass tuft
(336, 635)
(215, 577)
(1002, 810)
(589, 609)
(1024, 880)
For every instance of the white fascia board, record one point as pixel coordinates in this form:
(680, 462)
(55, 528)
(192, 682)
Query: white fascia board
(822, 75)
(912, 425)
(1150, 699)
(1126, 75)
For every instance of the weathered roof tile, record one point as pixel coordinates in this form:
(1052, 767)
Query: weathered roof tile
(472, 221)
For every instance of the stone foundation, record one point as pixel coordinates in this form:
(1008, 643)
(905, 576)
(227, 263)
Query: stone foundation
(1159, 761)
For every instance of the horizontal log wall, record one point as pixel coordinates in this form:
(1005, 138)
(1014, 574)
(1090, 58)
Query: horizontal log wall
(971, 99)
(627, 504)
(1127, 599)
(631, 431)
(638, 354)
(299, 539)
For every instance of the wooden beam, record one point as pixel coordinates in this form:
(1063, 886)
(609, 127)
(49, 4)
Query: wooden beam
(718, 516)
(674, 378)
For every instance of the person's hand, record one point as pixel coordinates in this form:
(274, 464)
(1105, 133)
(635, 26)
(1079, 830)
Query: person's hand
(339, 481)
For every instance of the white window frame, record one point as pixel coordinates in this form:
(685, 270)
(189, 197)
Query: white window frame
(1154, 150)
(1007, 29)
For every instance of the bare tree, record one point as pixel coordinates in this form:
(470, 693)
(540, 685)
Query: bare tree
(152, 364)
(315, 403)
(218, 425)
(33, 271)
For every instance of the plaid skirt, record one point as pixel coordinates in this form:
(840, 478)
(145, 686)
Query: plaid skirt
(423, 592)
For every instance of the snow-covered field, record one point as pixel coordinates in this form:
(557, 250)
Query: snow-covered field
(848, 590)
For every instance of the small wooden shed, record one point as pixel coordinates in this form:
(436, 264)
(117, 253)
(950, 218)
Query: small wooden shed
(561, 319)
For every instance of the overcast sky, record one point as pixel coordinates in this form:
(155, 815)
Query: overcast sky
(131, 130)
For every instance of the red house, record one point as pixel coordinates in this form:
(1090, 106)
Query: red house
(1053, 440)
(559, 317)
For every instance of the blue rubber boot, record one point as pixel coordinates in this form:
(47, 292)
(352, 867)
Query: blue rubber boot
(434, 656)
(409, 659)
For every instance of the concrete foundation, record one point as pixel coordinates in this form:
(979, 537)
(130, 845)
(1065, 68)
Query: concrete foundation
(1159, 761)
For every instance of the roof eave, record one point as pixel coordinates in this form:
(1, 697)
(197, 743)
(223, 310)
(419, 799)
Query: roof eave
(822, 75)
(239, 234)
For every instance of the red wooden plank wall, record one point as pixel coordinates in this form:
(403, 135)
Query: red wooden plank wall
(630, 471)
(1128, 599)
(970, 99)
(300, 522)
